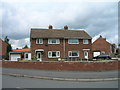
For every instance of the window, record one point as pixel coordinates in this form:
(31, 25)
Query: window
(85, 41)
(73, 54)
(73, 41)
(53, 41)
(26, 55)
(39, 41)
(53, 54)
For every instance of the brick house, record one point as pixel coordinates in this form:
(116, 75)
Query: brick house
(101, 46)
(3, 49)
(57, 44)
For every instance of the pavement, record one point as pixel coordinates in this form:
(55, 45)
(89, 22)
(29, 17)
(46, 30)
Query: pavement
(87, 76)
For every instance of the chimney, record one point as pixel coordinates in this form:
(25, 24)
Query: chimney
(50, 27)
(66, 27)
(100, 36)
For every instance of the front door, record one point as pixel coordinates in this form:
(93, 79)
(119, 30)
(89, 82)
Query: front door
(39, 57)
(86, 54)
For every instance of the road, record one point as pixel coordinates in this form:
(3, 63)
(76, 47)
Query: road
(22, 82)
(25, 82)
(63, 74)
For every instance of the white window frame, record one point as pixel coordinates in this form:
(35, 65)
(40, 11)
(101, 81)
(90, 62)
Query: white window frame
(73, 39)
(39, 41)
(57, 55)
(57, 41)
(85, 42)
(71, 52)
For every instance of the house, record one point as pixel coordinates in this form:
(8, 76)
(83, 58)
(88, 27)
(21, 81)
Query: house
(57, 44)
(3, 49)
(101, 46)
(19, 54)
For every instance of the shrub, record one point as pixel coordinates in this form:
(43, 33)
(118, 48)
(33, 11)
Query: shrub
(34, 58)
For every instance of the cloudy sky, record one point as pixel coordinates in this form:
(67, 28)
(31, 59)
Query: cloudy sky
(96, 17)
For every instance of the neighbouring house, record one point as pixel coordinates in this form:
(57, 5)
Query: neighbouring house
(3, 49)
(58, 44)
(101, 46)
(19, 54)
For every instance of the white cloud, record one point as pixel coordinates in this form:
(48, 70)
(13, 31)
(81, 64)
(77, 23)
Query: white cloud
(20, 43)
(19, 16)
(27, 1)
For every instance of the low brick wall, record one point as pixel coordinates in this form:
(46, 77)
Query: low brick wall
(79, 66)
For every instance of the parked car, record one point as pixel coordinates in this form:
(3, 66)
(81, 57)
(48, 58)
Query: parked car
(103, 56)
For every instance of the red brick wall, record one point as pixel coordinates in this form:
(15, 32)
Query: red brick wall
(79, 66)
(102, 45)
(79, 47)
(50, 47)
(3, 48)
(60, 47)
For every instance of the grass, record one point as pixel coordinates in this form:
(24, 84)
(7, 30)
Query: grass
(24, 60)
(101, 59)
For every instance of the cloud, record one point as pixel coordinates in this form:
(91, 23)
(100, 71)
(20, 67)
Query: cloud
(59, 1)
(97, 18)
(20, 43)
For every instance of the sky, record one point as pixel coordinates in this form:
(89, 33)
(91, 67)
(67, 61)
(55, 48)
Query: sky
(96, 17)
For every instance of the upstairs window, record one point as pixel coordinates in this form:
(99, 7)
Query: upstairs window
(53, 41)
(73, 41)
(73, 54)
(53, 54)
(85, 41)
(39, 41)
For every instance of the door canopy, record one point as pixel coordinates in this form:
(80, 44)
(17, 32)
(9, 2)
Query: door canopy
(39, 50)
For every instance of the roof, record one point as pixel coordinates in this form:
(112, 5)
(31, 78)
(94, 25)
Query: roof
(59, 33)
(101, 38)
(2, 41)
(21, 50)
(13, 52)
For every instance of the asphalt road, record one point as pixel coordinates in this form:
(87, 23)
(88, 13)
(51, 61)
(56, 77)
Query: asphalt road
(63, 74)
(22, 82)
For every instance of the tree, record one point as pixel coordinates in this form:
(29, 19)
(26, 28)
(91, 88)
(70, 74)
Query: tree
(25, 46)
(9, 47)
(119, 45)
(6, 40)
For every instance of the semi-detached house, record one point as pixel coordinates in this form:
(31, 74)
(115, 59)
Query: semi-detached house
(57, 44)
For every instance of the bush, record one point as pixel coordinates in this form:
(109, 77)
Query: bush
(34, 58)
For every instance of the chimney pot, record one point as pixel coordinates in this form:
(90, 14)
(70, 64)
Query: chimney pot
(100, 36)
(50, 27)
(66, 27)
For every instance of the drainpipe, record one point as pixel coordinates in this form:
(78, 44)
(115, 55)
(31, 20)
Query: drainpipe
(64, 47)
